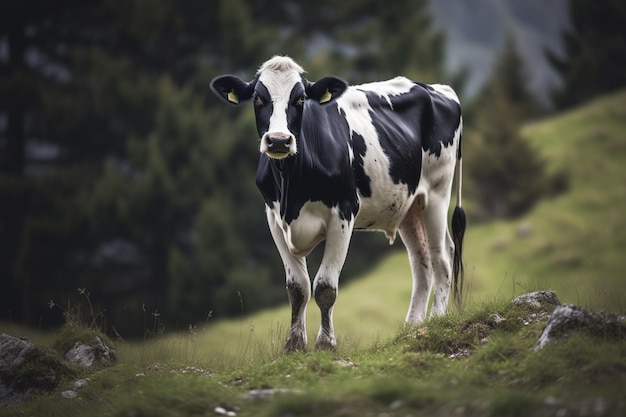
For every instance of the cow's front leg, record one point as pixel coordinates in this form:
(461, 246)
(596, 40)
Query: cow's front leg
(325, 286)
(298, 287)
(299, 292)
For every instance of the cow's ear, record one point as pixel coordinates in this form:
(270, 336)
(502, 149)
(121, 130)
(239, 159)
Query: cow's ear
(232, 89)
(326, 89)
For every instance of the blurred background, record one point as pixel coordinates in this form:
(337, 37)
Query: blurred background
(121, 174)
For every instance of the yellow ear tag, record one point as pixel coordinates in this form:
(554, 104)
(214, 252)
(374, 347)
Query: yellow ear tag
(326, 97)
(232, 97)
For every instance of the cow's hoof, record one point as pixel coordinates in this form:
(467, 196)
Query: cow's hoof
(326, 343)
(294, 343)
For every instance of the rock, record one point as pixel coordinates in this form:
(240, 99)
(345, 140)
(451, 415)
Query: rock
(224, 412)
(26, 371)
(69, 394)
(76, 386)
(524, 230)
(538, 300)
(264, 394)
(569, 317)
(538, 306)
(87, 355)
(80, 384)
(344, 364)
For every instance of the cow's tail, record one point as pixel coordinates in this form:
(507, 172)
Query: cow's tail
(458, 231)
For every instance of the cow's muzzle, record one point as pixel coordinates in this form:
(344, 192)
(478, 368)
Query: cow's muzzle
(278, 145)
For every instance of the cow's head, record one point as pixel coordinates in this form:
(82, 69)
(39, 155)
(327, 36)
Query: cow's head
(279, 92)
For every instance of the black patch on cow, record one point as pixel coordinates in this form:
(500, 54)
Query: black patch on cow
(262, 109)
(359, 149)
(325, 296)
(420, 119)
(441, 118)
(320, 171)
(297, 92)
(294, 110)
(296, 299)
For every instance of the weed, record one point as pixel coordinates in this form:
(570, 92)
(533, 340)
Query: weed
(75, 316)
(80, 324)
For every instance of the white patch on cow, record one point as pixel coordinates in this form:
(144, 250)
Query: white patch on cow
(350, 153)
(445, 90)
(279, 75)
(307, 230)
(394, 87)
(437, 170)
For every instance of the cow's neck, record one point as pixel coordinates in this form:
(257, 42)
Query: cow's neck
(285, 173)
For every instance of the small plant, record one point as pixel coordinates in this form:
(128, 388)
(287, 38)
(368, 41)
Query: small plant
(75, 316)
(81, 324)
(158, 327)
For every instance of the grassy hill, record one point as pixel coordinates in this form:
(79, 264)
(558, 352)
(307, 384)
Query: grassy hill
(573, 244)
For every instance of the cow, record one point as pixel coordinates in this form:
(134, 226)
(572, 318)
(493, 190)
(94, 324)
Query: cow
(337, 158)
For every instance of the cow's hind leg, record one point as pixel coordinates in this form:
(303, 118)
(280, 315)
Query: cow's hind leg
(414, 235)
(298, 288)
(326, 283)
(441, 249)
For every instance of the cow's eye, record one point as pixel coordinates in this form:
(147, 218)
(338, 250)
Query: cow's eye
(300, 101)
(258, 101)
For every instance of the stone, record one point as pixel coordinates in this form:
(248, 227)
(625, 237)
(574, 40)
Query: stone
(524, 230)
(538, 300)
(267, 393)
(568, 317)
(86, 355)
(69, 394)
(80, 384)
(26, 370)
(224, 412)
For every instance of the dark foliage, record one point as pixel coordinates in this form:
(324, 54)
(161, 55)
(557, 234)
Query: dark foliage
(595, 52)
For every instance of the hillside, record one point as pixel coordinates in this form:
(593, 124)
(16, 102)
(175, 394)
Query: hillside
(574, 243)
(479, 361)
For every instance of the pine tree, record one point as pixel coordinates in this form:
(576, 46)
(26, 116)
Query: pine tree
(595, 52)
(507, 177)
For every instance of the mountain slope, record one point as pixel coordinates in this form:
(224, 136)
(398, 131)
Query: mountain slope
(573, 243)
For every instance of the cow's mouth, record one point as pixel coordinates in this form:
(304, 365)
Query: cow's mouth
(278, 154)
(278, 146)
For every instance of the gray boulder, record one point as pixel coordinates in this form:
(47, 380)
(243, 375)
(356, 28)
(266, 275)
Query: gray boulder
(567, 318)
(97, 352)
(538, 305)
(26, 370)
(538, 300)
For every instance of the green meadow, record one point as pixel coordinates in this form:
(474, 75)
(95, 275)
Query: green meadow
(464, 364)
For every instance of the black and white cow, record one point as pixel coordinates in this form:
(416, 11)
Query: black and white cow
(337, 158)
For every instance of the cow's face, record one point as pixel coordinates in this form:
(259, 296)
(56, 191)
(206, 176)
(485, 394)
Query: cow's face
(278, 91)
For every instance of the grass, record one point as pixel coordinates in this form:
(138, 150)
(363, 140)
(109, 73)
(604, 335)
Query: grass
(476, 362)
(467, 364)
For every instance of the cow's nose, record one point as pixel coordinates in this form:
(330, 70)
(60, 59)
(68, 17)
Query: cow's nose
(278, 143)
